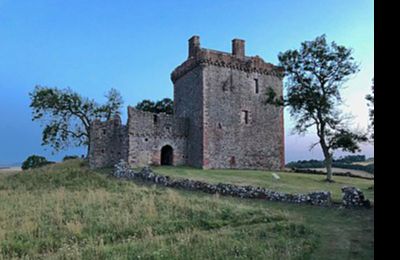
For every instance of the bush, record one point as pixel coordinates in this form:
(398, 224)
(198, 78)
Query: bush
(34, 161)
(70, 157)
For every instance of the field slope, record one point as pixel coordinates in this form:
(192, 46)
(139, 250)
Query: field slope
(66, 211)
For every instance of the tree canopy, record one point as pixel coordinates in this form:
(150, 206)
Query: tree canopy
(165, 105)
(67, 116)
(371, 102)
(314, 76)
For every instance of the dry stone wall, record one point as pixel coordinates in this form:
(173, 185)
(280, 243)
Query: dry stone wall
(123, 171)
(353, 198)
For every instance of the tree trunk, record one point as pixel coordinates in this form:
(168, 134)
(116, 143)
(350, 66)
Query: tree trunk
(88, 142)
(88, 151)
(328, 159)
(328, 164)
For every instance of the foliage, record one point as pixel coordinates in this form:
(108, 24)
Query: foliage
(67, 116)
(34, 161)
(315, 74)
(165, 105)
(371, 102)
(351, 159)
(64, 211)
(70, 157)
(309, 164)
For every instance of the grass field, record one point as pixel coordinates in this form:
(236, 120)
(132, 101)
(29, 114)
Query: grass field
(288, 182)
(66, 211)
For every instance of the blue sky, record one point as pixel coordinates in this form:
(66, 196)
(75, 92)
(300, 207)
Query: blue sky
(133, 46)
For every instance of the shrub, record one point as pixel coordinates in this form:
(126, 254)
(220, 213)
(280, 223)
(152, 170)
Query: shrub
(70, 157)
(34, 161)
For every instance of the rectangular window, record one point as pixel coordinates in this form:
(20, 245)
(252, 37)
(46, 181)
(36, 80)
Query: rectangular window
(155, 119)
(245, 116)
(256, 86)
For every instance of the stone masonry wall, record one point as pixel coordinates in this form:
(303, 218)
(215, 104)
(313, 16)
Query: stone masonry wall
(109, 143)
(240, 131)
(188, 103)
(149, 133)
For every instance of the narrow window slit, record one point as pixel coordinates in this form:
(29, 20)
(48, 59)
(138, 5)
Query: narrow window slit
(256, 85)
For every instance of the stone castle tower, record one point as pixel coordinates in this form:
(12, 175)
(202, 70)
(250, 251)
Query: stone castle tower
(220, 119)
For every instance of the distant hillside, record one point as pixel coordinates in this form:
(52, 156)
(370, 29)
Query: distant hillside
(352, 162)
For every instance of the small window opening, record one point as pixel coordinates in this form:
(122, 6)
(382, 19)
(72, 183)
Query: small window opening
(256, 85)
(104, 131)
(224, 86)
(245, 115)
(102, 150)
(146, 139)
(155, 119)
(232, 161)
(219, 126)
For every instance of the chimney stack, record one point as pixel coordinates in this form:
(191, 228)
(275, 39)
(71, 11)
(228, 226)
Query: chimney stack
(194, 45)
(238, 48)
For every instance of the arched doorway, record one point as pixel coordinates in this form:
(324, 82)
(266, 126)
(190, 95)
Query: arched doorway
(167, 155)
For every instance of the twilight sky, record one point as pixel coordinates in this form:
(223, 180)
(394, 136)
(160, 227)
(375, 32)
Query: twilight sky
(133, 46)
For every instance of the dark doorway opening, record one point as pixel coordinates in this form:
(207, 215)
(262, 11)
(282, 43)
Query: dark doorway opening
(167, 155)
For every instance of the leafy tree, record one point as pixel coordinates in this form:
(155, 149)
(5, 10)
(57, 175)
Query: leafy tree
(370, 98)
(315, 74)
(34, 161)
(165, 105)
(146, 105)
(67, 116)
(70, 157)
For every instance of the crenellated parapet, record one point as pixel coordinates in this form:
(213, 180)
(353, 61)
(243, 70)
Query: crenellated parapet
(235, 60)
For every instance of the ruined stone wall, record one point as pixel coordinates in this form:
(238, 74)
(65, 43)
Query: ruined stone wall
(240, 131)
(149, 132)
(188, 103)
(109, 143)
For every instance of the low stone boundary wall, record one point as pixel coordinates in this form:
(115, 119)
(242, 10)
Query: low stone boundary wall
(123, 171)
(352, 197)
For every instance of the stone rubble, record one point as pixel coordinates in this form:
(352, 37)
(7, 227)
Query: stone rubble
(123, 171)
(353, 197)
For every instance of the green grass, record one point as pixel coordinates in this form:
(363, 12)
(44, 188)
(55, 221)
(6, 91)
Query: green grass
(66, 211)
(288, 182)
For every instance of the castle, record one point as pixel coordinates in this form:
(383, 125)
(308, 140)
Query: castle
(220, 119)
